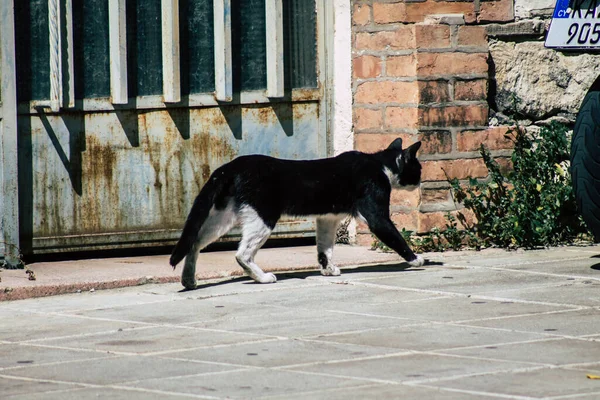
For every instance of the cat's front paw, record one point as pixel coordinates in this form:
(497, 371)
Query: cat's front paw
(417, 262)
(267, 278)
(331, 270)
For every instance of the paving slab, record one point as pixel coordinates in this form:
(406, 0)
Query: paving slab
(532, 383)
(468, 325)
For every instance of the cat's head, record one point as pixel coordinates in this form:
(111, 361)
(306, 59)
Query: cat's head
(408, 172)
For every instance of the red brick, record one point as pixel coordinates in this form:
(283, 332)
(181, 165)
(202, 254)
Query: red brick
(408, 221)
(401, 65)
(461, 169)
(364, 239)
(366, 67)
(416, 12)
(365, 118)
(496, 11)
(406, 198)
(435, 196)
(439, 220)
(400, 117)
(471, 90)
(453, 116)
(472, 36)
(386, 92)
(434, 92)
(428, 221)
(434, 64)
(492, 138)
(361, 14)
(385, 13)
(432, 36)
(402, 38)
(435, 142)
(373, 142)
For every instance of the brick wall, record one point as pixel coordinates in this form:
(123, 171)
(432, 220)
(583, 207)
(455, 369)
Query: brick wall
(420, 72)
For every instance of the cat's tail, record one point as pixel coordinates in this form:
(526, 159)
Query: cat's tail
(198, 214)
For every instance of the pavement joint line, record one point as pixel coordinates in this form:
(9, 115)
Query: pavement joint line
(350, 377)
(503, 317)
(53, 363)
(344, 360)
(43, 380)
(201, 374)
(83, 335)
(330, 390)
(217, 346)
(271, 288)
(162, 392)
(574, 396)
(474, 392)
(496, 360)
(316, 337)
(501, 344)
(484, 373)
(573, 277)
(547, 334)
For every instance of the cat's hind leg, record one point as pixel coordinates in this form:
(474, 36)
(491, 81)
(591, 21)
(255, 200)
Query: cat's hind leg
(326, 232)
(255, 232)
(218, 223)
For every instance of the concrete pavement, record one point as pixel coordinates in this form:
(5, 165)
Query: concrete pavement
(469, 325)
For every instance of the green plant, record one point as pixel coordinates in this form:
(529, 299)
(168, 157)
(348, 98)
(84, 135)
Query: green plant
(438, 240)
(532, 205)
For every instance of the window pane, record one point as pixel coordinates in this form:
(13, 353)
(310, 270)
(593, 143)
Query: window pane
(32, 50)
(300, 31)
(144, 47)
(92, 57)
(196, 46)
(249, 44)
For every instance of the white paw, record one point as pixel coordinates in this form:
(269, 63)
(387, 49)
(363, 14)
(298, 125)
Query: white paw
(331, 270)
(417, 262)
(267, 278)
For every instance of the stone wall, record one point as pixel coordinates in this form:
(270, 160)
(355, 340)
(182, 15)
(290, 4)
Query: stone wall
(446, 73)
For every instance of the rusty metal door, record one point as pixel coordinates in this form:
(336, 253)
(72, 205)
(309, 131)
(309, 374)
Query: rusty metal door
(126, 106)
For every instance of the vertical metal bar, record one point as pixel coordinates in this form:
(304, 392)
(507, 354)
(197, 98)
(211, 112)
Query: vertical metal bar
(223, 63)
(274, 20)
(69, 69)
(170, 51)
(118, 51)
(55, 55)
(8, 137)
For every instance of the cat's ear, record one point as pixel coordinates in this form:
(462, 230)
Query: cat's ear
(396, 145)
(411, 151)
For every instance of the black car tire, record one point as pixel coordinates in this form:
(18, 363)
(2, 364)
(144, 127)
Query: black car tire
(585, 161)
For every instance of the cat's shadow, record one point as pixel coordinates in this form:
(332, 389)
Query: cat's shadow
(283, 276)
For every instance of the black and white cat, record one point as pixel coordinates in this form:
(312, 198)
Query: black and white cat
(255, 191)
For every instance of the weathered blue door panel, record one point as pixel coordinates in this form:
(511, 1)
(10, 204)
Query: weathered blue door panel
(124, 178)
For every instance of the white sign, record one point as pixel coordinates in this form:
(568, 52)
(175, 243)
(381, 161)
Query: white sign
(575, 25)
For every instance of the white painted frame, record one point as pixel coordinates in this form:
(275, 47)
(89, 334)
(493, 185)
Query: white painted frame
(9, 190)
(118, 51)
(69, 69)
(55, 44)
(223, 60)
(170, 51)
(274, 40)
